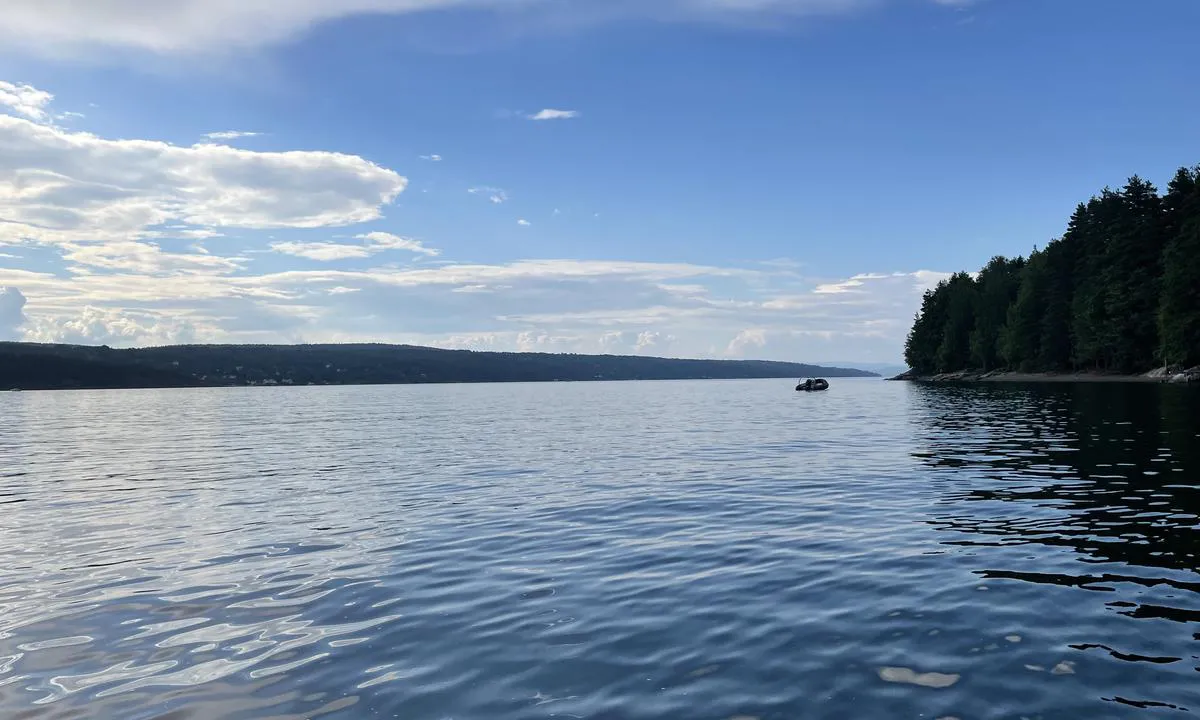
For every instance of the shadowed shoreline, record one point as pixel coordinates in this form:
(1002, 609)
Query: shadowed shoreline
(27, 366)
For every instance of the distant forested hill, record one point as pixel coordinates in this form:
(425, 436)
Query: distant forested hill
(1118, 292)
(34, 366)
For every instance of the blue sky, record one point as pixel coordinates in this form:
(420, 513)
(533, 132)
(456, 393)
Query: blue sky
(777, 179)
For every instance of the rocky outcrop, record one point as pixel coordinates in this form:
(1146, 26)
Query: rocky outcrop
(959, 376)
(1175, 374)
(1000, 376)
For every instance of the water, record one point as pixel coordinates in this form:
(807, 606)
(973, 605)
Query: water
(611, 550)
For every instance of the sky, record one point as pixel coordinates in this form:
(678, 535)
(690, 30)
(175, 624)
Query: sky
(771, 179)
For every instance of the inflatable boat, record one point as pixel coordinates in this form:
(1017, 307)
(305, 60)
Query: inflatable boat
(812, 385)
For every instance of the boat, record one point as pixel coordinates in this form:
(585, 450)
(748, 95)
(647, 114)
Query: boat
(816, 385)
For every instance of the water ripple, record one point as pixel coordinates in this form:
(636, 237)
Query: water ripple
(613, 550)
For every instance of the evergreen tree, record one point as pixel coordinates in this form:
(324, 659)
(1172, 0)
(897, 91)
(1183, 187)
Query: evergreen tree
(955, 351)
(1021, 338)
(997, 287)
(1120, 291)
(1093, 333)
(1057, 288)
(1132, 275)
(1179, 316)
(920, 350)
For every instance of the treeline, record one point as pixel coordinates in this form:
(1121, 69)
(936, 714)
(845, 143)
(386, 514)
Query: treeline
(30, 366)
(1119, 292)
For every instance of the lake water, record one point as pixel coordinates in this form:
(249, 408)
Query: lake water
(610, 550)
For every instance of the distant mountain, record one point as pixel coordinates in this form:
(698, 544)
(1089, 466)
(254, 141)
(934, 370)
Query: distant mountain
(884, 369)
(31, 366)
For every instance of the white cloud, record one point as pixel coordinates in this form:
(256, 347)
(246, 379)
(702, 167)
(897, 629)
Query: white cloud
(653, 342)
(747, 341)
(552, 305)
(12, 313)
(379, 241)
(494, 194)
(25, 100)
(550, 114)
(524, 223)
(102, 326)
(373, 243)
(146, 259)
(63, 186)
(205, 26)
(322, 251)
(432, 158)
(231, 135)
(122, 213)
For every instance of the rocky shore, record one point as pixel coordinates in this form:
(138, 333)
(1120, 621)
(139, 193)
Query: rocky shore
(1161, 375)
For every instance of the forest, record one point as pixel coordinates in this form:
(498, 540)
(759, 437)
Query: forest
(1118, 293)
(30, 366)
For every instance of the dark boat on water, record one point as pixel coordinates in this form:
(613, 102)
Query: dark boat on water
(816, 385)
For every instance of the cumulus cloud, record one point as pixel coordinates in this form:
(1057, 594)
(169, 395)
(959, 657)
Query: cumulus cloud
(102, 326)
(524, 223)
(653, 342)
(551, 114)
(432, 158)
(12, 313)
(372, 243)
(25, 100)
(670, 309)
(747, 341)
(63, 186)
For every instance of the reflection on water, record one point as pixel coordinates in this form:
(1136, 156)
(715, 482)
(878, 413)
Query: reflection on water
(1103, 476)
(629, 550)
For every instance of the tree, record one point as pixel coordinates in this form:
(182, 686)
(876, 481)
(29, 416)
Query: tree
(955, 351)
(920, 350)
(1093, 333)
(1119, 291)
(1179, 314)
(997, 287)
(1132, 276)
(1021, 338)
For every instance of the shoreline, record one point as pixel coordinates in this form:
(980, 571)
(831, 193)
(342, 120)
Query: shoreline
(1156, 376)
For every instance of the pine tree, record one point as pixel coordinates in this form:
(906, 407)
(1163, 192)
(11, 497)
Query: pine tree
(920, 350)
(955, 351)
(1093, 332)
(997, 286)
(1120, 291)
(1132, 276)
(1021, 338)
(1179, 315)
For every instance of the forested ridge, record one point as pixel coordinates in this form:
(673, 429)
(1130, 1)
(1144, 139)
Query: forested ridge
(32, 366)
(1119, 292)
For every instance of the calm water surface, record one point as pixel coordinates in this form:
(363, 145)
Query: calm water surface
(612, 550)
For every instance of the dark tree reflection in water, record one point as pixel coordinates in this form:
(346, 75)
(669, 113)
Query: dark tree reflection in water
(1109, 474)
